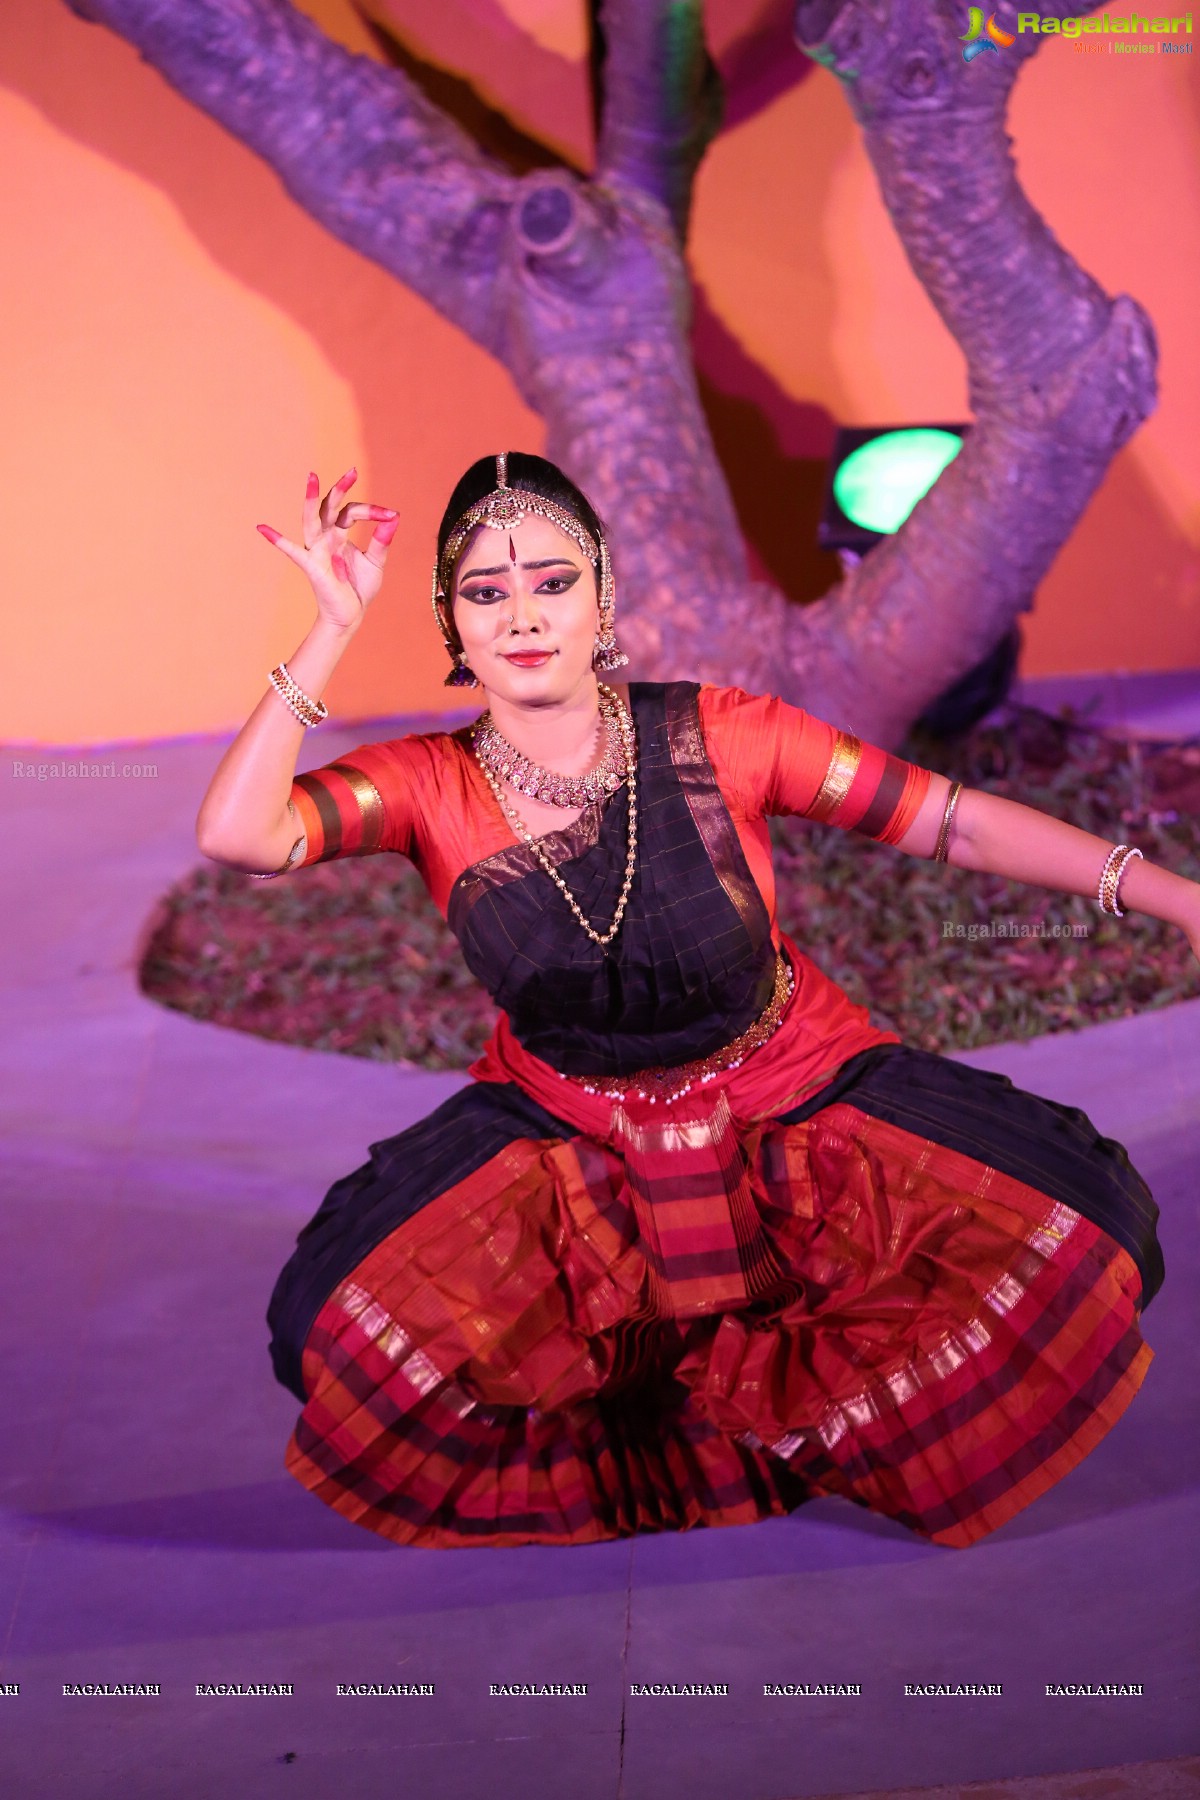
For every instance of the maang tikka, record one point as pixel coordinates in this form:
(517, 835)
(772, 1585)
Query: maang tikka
(504, 509)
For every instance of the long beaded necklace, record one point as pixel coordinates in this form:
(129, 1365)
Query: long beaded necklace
(611, 706)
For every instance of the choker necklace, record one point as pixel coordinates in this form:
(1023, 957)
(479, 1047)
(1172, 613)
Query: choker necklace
(618, 718)
(521, 772)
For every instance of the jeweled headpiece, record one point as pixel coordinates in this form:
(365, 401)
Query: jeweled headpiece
(504, 509)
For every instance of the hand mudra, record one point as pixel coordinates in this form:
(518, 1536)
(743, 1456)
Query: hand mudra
(344, 578)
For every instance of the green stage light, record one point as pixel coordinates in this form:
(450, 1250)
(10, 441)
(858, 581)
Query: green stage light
(874, 477)
(878, 484)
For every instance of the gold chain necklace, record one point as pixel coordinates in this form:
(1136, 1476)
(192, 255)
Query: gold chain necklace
(610, 705)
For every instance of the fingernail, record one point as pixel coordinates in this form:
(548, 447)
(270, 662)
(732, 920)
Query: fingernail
(386, 532)
(268, 532)
(350, 475)
(314, 487)
(383, 512)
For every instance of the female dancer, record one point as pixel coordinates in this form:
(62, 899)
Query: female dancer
(699, 1241)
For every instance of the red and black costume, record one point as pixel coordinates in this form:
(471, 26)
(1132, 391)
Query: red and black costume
(557, 1311)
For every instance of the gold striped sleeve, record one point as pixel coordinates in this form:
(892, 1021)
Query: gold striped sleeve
(839, 776)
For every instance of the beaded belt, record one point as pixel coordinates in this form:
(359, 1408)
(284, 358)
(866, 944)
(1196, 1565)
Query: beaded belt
(670, 1084)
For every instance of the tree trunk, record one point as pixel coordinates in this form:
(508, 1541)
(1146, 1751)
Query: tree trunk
(1060, 374)
(580, 288)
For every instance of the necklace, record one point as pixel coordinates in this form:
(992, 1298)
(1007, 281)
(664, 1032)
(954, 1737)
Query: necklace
(619, 718)
(521, 772)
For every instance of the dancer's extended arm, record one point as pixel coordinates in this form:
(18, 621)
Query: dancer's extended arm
(778, 759)
(1004, 837)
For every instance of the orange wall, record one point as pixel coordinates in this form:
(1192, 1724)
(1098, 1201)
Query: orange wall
(184, 343)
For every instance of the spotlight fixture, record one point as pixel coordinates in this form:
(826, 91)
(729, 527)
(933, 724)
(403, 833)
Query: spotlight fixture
(875, 476)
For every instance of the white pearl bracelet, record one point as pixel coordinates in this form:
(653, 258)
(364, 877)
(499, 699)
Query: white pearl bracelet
(306, 710)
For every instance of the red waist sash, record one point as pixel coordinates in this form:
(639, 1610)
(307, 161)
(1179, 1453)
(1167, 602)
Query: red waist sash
(690, 1161)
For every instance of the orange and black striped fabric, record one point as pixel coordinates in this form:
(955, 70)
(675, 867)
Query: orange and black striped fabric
(947, 1343)
(688, 1185)
(775, 759)
(771, 759)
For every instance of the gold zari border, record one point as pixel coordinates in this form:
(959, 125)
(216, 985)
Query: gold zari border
(839, 776)
(370, 804)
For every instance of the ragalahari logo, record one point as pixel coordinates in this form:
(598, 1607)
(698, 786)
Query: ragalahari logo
(1106, 31)
(979, 37)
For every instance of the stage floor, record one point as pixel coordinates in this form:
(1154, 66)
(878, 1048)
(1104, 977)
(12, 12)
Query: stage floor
(156, 1172)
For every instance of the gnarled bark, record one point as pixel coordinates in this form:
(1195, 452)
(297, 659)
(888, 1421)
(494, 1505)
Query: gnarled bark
(1060, 373)
(579, 287)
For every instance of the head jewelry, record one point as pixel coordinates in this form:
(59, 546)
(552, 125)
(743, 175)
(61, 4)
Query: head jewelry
(504, 509)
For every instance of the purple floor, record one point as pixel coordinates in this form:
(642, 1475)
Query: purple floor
(156, 1171)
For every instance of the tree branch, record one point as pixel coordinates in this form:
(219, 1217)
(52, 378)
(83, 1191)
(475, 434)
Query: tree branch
(597, 313)
(662, 99)
(493, 132)
(357, 145)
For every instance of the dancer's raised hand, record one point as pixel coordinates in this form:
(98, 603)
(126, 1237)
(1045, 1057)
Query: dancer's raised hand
(344, 578)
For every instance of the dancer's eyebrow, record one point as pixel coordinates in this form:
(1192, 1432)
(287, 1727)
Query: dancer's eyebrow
(550, 562)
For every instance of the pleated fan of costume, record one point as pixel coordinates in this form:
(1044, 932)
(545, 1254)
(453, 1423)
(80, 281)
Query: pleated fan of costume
(549, 1314)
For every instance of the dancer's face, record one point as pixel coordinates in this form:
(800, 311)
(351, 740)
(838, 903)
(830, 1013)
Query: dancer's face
(527, 611)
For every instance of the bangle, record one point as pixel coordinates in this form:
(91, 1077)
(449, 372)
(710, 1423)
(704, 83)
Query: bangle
(1110, 880)
(1102, 889)
(308, 711)
(941, 854)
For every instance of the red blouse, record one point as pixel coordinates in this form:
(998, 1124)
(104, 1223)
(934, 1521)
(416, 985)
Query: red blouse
(426, 797)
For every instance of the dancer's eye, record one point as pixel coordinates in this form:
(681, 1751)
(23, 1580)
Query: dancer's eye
(487, 594)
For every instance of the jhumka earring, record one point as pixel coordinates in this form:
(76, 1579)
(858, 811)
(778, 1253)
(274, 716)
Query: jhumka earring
(608, 653)
(461, 675)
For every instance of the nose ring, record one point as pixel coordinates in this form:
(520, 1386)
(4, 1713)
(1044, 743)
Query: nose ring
(512, 624)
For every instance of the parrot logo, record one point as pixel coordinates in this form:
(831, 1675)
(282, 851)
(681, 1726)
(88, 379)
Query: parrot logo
(979, 37)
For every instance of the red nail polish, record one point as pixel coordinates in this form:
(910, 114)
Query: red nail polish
(386, 532)
(314, 487)
(268, 533)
